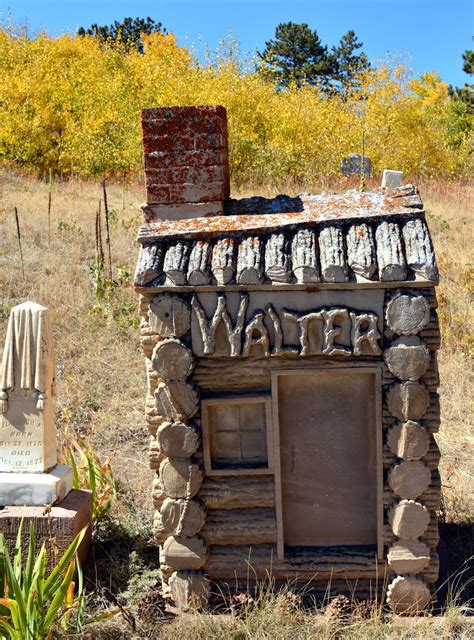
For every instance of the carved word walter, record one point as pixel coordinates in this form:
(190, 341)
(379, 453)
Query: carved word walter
(243, 334)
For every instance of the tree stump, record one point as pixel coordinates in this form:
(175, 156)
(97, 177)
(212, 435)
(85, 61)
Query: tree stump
(189, 590)
(304, 256)
(172, 360)
(185, 553)
(277, 259)
(407, 358)
(182, 517)
(199, 266)
(408, 556)
(331, 253)
(407, 400)
(390, 258)
(249, 261)
(176, 400)
(361, 250)
(223, 268)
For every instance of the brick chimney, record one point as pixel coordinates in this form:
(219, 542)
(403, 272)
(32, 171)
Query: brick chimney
(186, 162)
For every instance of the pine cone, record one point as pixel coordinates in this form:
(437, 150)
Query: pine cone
(339, 609)
(152, 606)
(365, 609)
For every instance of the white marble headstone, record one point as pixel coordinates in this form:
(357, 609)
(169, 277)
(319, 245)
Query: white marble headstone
(27, 430)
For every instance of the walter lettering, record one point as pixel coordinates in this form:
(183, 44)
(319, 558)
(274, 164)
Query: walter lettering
(333, 331)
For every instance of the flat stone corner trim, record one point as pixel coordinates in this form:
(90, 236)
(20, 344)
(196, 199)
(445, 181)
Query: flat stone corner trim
(290, 349)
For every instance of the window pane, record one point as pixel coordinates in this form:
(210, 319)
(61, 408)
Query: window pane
(225, 417)
(252, 417)
(226, 445)
(237, 434)
(253, 445)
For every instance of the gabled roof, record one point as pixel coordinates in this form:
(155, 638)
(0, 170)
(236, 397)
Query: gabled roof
(378, 236)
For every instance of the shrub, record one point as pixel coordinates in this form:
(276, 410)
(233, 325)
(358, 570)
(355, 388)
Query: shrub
(72, 105)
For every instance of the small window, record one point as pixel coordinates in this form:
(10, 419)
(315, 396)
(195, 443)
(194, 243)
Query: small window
(235, 434)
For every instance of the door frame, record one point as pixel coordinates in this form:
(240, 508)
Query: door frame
(369, 368)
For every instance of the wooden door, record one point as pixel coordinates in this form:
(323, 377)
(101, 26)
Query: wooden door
(330, 486)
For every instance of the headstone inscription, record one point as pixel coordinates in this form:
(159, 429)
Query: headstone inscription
(29, 474)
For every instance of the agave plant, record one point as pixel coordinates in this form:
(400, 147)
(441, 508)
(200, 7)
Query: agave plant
(32, 604)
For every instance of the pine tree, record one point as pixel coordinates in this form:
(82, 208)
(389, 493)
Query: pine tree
(346, 62)
(468, 66)
(128, 32)
(296, 55)
(466, 93)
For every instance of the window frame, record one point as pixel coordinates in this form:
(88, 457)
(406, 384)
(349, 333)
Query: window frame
(264, 399)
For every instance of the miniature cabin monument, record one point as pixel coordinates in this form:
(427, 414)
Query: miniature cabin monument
(292, 399)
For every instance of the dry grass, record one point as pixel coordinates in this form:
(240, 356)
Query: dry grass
(102, 378)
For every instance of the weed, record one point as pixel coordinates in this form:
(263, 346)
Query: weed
(91, 471)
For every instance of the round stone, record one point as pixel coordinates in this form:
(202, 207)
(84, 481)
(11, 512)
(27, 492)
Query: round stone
(407, 314)
(408, 519)
(169, 316)
(408, 400)
(160, 534)
(408, 596)
(407, 358)
(409, 479)
(408, 440)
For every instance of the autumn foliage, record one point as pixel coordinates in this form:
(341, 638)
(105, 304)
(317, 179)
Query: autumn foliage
(71, 105)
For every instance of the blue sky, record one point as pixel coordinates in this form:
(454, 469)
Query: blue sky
(427, 34)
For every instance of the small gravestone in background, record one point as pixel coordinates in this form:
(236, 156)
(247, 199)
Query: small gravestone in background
(392, 179)
(30, 477)
(352, 166)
